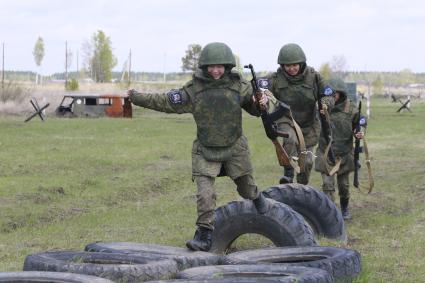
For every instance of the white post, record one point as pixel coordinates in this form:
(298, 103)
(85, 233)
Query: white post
(165, 58)
(368, 100)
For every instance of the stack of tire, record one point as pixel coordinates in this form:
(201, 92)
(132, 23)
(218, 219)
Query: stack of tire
(297, 215)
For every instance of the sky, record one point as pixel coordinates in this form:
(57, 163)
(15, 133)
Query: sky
(381, 35)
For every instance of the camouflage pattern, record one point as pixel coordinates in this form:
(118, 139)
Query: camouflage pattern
(338, 85)
(291, 53)
(342, 115)
(220, 146)
(328, 186)
(216, 53)
(300, 93)
(207, 198)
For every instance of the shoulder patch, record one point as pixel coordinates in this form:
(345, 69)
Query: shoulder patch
(363, 121)
(263, 83)
(328, 91)
(175, 96)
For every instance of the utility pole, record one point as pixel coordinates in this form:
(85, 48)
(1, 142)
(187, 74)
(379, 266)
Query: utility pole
(78, 71)
(129, 69)
(66, 64)
(165, 59)
(2, 69)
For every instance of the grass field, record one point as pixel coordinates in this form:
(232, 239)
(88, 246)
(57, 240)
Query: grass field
(69, 182)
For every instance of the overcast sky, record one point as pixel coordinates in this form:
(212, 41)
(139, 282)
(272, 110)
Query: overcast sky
(382, 35)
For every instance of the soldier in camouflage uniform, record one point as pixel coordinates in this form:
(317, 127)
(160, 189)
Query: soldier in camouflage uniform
(299, 86)
(215, 97)
(343, 116)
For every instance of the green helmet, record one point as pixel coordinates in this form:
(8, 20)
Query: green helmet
(291, 53)
(216, 53)
(337, 85)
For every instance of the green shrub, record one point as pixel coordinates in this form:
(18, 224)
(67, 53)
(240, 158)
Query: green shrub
(12, 92)
(72, 85)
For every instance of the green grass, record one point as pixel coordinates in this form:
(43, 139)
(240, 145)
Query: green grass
(69, 182)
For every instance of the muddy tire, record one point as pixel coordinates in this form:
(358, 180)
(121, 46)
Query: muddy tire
(116, 267)
(184, 257)
(49, 277)
(225, 280)
(341, 263)
(317, 209)
(280, 224)
(258, 271)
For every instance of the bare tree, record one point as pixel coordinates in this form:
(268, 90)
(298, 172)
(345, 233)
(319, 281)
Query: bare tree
(326, 71)
(338, 63)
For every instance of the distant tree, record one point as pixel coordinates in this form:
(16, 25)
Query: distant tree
(378, 85)
(38, 53)
(406, 77)
(98, 57)
(239, 66)
(326, 71)
(191, 59)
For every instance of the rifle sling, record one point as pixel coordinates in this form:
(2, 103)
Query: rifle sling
(369, 168)
(303, 149)
(331, 170)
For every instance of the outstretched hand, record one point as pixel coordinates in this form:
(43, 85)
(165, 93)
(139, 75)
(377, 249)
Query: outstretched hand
(131, 92)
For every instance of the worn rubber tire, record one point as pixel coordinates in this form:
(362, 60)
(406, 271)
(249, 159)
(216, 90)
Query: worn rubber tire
(318, 210)
(185, 258)
(282, 273)
(341, 263)
(49, 277)
(282, 225)
(113, 266)
(224, 280)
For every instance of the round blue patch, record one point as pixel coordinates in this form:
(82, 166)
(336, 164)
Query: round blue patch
(263, 83)
(328, 91)
(175, 96)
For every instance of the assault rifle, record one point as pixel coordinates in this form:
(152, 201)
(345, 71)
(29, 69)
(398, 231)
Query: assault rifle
(271, 130)
(357, 148)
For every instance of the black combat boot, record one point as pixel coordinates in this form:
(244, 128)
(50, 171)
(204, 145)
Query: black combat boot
(261, 204)
(344, 208)
(201, 241)
(288, 175)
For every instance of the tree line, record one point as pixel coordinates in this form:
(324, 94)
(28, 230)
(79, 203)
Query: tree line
(98, 62)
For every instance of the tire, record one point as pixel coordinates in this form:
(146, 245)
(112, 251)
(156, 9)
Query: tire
(317, 209)
(49, 277)
(223, 280)
(281, 273)
(116, 267)
(184, 257)
(282, 225)
(341, 263)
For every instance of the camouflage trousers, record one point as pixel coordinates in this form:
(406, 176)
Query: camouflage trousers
(328, 185)
(291, 146)
(206, 196)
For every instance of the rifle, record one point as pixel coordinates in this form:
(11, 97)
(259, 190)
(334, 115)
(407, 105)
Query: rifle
(327, 130)
(270, 128)
(357, 148)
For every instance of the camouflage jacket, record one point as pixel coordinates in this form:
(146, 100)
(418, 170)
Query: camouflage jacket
(343, 116)
(301, 94)
(215, 105)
